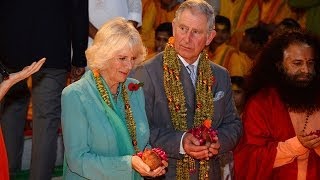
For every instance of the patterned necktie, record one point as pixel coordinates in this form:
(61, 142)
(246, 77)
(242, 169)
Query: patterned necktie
(192, 74)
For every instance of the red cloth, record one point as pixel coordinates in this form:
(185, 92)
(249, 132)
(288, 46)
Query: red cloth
(266, 122)
(4, 171)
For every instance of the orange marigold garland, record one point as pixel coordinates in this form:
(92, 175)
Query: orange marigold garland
(177, 104)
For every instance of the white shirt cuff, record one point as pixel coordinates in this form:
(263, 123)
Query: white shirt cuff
(182, 151)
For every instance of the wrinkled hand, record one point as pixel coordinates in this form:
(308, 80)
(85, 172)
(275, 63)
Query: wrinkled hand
(213, 147)
(26, 71)
(192, 147)
(76, 73)
(144, 169)
(309, 141)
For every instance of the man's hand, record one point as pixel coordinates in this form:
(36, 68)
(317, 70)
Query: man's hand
(192, 147)
(214, 147)
(309, 141)
(76, 73)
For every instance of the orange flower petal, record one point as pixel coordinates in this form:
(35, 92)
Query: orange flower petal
(207, 123)
(96, 73)
(171, 40)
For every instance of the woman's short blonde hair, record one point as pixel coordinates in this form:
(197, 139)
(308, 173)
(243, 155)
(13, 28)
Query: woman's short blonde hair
(114, 36)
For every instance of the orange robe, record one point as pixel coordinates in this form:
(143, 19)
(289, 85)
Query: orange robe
(148, 24)
(267, 125)
(274, 11)
(243, 14)
(237, 63)
(152, 16)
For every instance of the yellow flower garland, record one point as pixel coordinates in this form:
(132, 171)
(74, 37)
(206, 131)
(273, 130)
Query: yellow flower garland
(131, 125)
(177, 104)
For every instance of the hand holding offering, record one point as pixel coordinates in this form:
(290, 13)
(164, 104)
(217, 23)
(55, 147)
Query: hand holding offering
(204, 133)
(153, 157)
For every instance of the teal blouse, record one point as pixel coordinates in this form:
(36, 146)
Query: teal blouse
(96, 139)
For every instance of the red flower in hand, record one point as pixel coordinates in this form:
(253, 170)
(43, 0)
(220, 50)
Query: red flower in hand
(204, 133)
(134, 86)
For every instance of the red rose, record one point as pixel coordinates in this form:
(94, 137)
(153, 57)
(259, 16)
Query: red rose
(134, 86)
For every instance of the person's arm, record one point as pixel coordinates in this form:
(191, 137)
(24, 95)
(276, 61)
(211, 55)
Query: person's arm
(92, 30)
(79, 34)
(135, 12)
(18, 76)
(288, 150)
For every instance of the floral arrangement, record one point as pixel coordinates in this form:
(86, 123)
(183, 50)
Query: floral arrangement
(153, 157)
(204, 133)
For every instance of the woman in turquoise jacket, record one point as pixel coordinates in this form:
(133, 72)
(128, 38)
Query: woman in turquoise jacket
(104, 121)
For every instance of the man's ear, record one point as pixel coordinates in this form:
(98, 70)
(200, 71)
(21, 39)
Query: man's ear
(173, 28)
(210, 36)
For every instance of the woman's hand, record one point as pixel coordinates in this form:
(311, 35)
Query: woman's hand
(26, 71)
(18, 76)
(144, 169)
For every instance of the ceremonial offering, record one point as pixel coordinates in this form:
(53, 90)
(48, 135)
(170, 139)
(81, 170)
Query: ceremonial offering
(153, 157)
(204, 133)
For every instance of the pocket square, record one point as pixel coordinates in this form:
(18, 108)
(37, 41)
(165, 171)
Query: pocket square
(218, 95)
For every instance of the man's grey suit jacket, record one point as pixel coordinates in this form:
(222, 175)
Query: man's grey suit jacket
(225, 119)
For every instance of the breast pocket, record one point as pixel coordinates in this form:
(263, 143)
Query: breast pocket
(219, 106)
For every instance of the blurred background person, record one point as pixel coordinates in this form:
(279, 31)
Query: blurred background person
(100, 11)
(163, 33)
(8, 80)
(154, 13)
(253, 41)
(312, 13)
(238, 92)
(287, 24)
(29, 31)
(225, 55)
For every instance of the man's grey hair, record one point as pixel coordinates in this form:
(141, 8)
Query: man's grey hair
(198, 6)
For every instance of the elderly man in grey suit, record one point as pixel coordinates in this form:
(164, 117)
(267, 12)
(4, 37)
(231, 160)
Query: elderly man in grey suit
(183, 88)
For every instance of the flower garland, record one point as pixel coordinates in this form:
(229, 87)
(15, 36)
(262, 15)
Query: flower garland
(177, 103)
(131, 125)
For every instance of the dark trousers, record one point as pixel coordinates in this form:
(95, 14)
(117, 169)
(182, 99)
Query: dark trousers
(47, 85)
